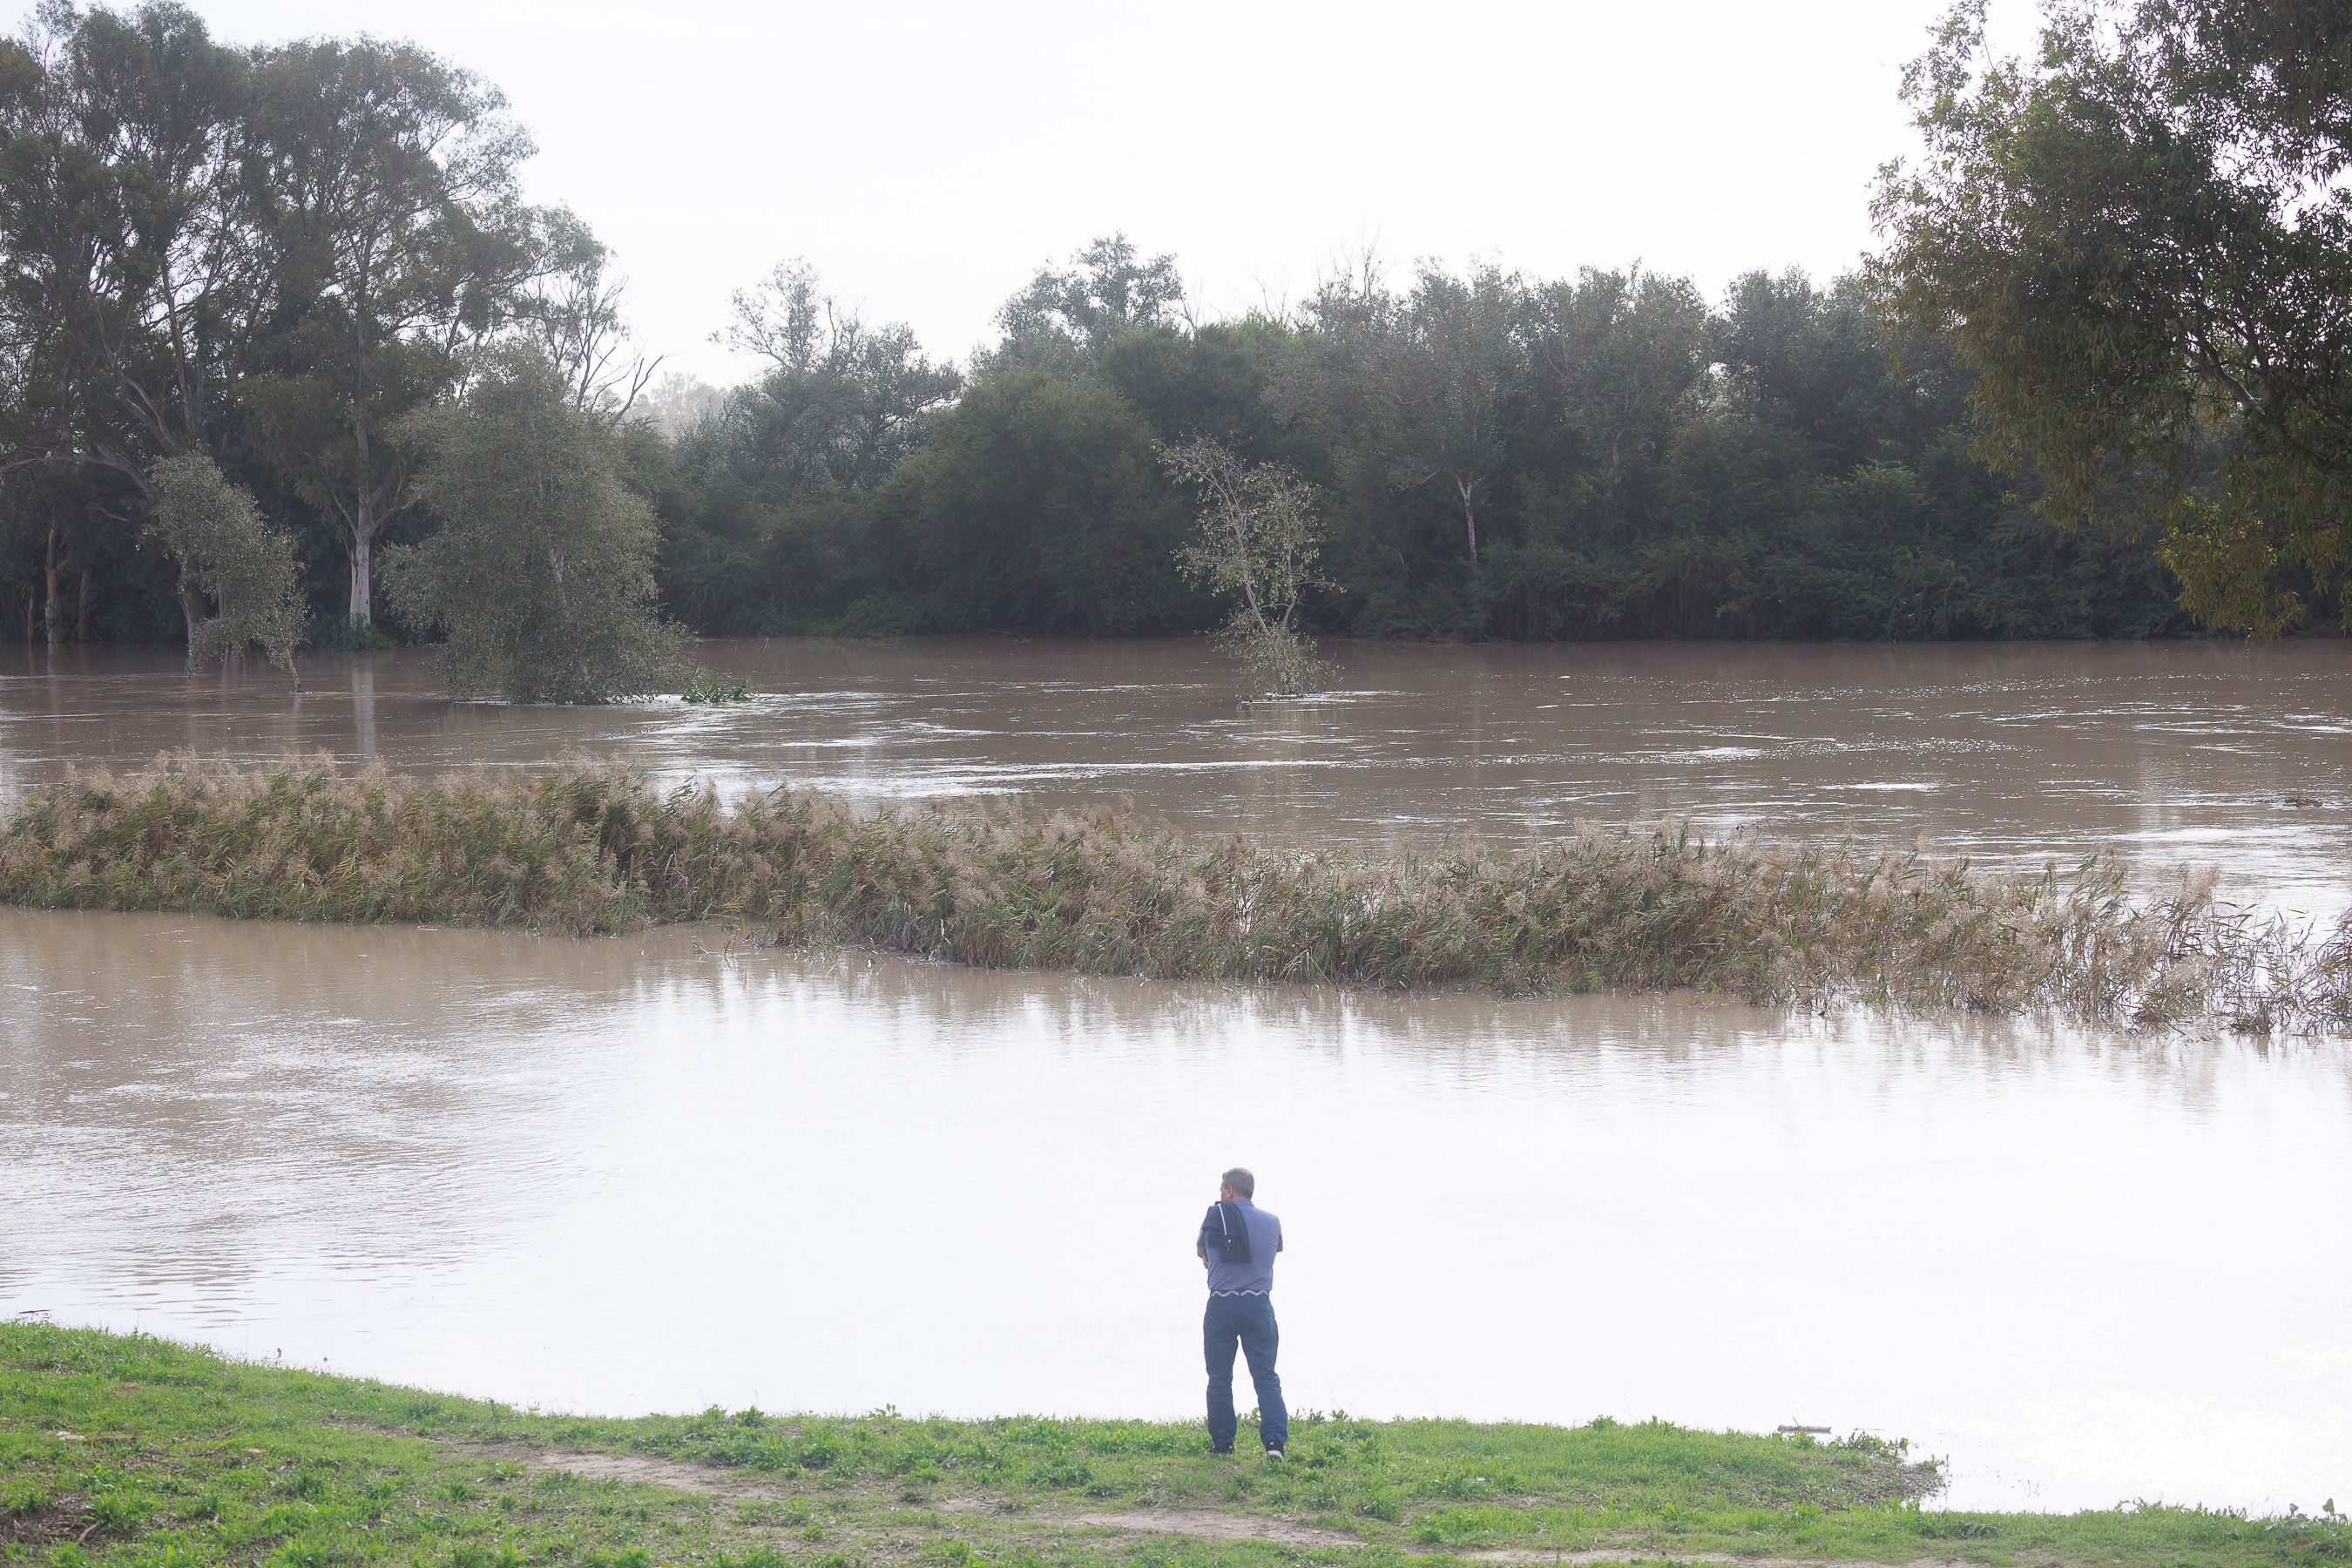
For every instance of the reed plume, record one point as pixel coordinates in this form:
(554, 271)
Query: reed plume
(586, 850)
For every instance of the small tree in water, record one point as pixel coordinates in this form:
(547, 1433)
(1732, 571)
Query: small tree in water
(1255, 549)
(540, 579)
(230, 560)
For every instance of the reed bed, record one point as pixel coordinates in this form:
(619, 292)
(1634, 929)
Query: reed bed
(587, 849)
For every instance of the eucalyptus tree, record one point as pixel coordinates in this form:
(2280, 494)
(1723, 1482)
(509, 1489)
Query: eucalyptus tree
(677, 403)
(390, 176)
(2140, 242)
(134, 273)
(130, 234)
(1457, 370)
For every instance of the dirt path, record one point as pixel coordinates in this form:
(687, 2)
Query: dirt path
(1203, 1523)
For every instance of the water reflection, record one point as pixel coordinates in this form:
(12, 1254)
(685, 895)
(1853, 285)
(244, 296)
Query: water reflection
(661, 1172)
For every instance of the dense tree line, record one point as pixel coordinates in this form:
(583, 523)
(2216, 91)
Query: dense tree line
(284, 259)
(268, 258)
(1602, 457)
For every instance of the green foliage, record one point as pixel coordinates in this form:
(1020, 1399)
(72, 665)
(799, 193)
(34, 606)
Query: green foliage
(540, 576)
(277, 255)
(707, 686)
(1037, 505)
(229, 555)
(1064, 322)
(1428, 386)
(1255, 548)
(268, 255)
(2138, 242)
(589, 852)
(1636, 465)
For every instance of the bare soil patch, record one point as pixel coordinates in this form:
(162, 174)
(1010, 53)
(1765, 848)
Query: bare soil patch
(1211, 1524)
(1201, 1523)
(59, 1518)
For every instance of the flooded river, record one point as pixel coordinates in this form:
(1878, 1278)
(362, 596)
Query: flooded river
(661, 1174)
(2170, 755)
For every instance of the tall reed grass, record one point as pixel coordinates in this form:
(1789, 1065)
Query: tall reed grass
(587, 849)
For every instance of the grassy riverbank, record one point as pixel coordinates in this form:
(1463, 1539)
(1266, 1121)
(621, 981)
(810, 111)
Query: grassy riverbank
(587, 850)
(135, 1451)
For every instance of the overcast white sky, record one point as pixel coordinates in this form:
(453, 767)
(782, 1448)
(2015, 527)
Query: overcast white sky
(928, 156)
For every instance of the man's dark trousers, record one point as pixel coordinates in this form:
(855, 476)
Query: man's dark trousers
(1248, 1321)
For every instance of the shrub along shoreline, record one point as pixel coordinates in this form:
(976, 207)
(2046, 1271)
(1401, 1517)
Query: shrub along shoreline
(132, 1450)
(586, 850)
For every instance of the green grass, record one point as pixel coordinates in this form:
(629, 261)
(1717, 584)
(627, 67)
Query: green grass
(132, 1450)
(587, 850)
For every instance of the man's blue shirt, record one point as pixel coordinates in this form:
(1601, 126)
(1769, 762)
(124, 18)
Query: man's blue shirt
(1254, 1278)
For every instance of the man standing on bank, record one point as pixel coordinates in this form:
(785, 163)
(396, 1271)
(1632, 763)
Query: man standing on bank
(1238, 1241)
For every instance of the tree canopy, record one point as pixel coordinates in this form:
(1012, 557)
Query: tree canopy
(238, 583)
(302, 261)
(539, 579)
(2138, 245)
(267, 256)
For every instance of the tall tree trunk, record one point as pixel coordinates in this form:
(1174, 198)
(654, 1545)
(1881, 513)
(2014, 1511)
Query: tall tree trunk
(31, 620)
(362, 563)
(1469, 521)
(363, 580)
(53, 609)
(82, 608)
(191, 610)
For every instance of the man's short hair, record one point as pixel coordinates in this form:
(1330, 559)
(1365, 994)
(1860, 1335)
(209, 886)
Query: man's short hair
(1241, 1181)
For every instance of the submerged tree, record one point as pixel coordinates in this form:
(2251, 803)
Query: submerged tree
(540, 577)
(2140, 244)
(238, 584)
(1255, 549)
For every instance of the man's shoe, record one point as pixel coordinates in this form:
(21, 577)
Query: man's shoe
(1228, 1448)
(1274, 1453)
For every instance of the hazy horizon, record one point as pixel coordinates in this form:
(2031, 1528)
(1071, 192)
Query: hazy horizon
(928, 158)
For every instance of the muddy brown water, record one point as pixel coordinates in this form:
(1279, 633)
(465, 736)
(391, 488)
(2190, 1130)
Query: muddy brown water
(2169, 754)
(662, 1173)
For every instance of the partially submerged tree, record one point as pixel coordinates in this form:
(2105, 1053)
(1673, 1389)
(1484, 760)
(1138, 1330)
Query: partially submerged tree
(2140, 244)
(540, 577)
(1255, 551)
(238, 584)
